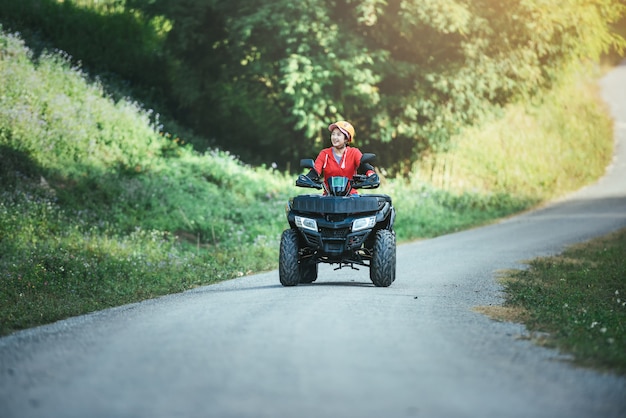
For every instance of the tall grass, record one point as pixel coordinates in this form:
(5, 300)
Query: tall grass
(99, 206)
(535, 151)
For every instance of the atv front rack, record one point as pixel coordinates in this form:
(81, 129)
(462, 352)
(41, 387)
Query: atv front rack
(336, 205)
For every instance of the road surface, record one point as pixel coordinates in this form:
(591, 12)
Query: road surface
(338, 347)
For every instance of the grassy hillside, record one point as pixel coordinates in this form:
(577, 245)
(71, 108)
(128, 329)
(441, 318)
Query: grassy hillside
(100, 207)
(536, 150)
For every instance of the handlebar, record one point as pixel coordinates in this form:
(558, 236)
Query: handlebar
(361, 181)
(304, 181)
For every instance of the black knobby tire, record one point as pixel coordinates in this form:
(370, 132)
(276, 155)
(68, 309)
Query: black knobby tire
(288, 267)
(308, 273)
(383, 265)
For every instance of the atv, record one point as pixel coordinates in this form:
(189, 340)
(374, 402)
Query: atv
(338, 228)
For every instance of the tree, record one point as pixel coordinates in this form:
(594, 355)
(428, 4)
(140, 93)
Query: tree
(410, 73)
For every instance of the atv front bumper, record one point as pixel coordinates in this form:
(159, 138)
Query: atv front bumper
(334, 242)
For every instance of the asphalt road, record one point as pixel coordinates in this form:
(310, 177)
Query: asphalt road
(338, 347)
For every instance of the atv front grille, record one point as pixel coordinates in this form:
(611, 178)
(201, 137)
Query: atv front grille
(313, 239)
(334, 233)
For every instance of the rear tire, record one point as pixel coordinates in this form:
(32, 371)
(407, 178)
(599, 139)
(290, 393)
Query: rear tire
(383, 265)
(288, 267)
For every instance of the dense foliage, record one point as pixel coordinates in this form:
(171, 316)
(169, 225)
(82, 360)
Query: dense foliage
(99, 206)
(263, 79)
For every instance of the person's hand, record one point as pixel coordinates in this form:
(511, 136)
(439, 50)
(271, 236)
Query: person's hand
(312, 174)
(373, 177)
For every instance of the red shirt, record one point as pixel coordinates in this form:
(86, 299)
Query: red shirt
(327, 164)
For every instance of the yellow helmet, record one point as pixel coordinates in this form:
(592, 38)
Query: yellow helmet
(343, 126)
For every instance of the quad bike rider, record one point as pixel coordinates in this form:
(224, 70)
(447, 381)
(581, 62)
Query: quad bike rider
(340, 226)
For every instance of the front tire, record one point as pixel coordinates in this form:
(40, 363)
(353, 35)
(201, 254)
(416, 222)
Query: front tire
(288, 267)
(383, 264)
(308, 273)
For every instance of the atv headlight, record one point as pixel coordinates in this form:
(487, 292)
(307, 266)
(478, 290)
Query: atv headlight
(306, 223)
(363, 223)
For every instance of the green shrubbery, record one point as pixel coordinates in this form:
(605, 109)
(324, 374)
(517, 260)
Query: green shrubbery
(407, 73)
(536, 150)
(99, 206)
(103, 34)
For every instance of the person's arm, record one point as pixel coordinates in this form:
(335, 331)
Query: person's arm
(367, 169)
(312, 174)
(315, 173)
(364, 168)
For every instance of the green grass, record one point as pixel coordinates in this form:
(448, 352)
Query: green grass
(576, 300)
(100, 206)
(558, 143)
